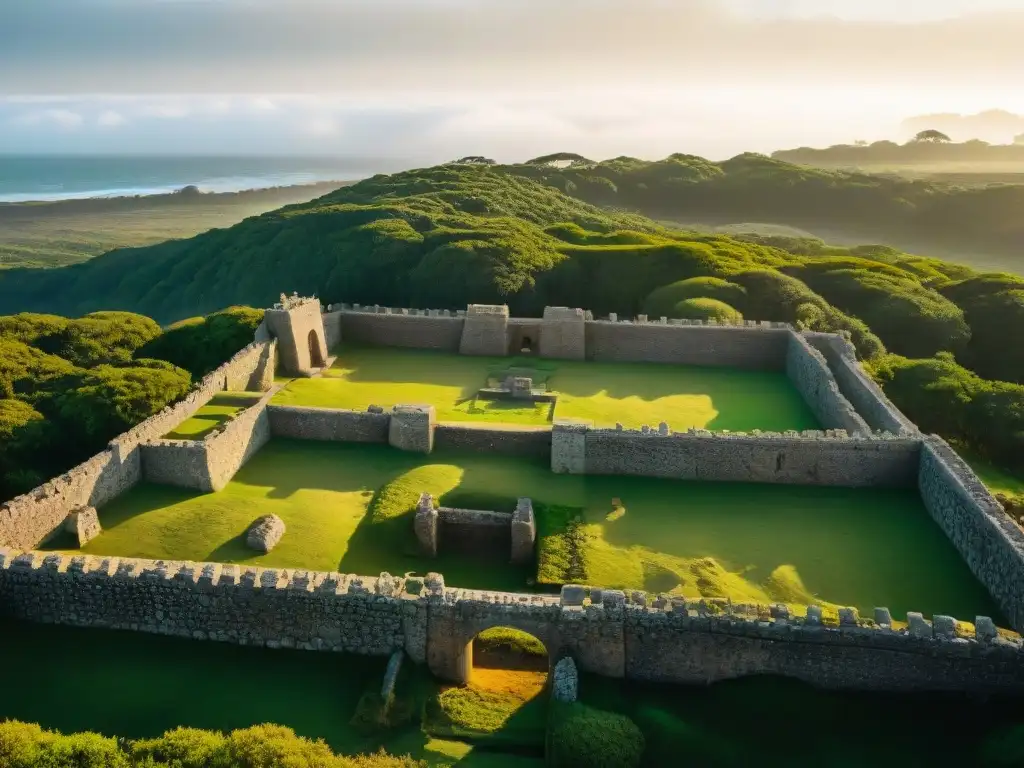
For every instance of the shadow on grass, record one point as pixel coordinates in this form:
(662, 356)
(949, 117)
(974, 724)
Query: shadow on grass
(234, 550)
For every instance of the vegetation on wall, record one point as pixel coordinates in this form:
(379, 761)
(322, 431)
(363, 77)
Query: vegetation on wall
(67, 386)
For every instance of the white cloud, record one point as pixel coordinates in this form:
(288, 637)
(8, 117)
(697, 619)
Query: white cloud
(62, 118)
(110, 119)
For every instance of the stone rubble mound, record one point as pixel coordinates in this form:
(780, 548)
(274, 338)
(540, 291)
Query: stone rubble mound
(265, 533)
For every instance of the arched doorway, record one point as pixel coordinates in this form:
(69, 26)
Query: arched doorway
(316, 358)
(503, 695)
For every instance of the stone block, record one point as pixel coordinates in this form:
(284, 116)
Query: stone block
(565, 683)
(412, 428)
(573, 594)
(985, 629)
(944, 626)
(265, 533)
(814, 615)
(848, 617)
(84, 524)
(917, 626)
(883, 617)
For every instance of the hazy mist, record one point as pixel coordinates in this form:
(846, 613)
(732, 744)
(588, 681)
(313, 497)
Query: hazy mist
(429, 79)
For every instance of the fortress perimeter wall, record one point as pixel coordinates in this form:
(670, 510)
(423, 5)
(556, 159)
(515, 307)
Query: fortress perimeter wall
(31, 518)
(809, 373)
(986, 537)
(429, 329)
(809, 458)
(866, 396)
(328, 424)
(535, 443)
(758, 347)
(635, 635)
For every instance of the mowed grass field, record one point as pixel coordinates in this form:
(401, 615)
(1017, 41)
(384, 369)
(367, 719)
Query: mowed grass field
(347, 507)
(632, 394)
(222, 408)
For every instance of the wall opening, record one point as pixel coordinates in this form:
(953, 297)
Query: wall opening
(316, 359)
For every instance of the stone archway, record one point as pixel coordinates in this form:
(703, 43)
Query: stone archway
(316, 358)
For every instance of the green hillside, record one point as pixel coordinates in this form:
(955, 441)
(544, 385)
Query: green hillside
(446, 236)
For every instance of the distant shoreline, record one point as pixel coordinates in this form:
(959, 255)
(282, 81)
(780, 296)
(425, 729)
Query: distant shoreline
(178, 195)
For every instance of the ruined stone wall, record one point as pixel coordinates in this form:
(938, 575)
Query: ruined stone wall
(563, 334)
(29, 519)
(208, 464)
(529, 443)
(808, 458)
(989, 541)
(865, 395)
(328, 424)
(809, 373)
(662, 638)
(400, 328)
(754, 346)
(209, 601)
(332, 329)
(475, 532)
(485, 331)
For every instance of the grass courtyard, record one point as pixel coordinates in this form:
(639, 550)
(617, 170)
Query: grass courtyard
(222, 408)
(347, 507)
(633, 394)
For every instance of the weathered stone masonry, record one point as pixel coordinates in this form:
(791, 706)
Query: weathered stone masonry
(29, 519)
(386, 327)
(809, 373)
(289, 421)
(809, 458)
(636, 636)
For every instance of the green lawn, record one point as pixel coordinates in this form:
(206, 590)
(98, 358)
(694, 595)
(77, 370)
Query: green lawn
(222, 408)
(139, 685)
(748, 542)
(997, 480)
(633, 394)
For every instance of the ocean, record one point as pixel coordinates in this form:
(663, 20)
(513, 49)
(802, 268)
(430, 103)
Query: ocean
(25, 178)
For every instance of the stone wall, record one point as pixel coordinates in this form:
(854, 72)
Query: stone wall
(758, 347)
(485, 331)
(475, 532)
(398, 328)
(332, 329)
(530, 443)
(634, 635)
(809, 373)
(988, 540)
(209, 601)
(412, 427)
(563, 333)
(865, 395)
(302, 423)
(29, 519)
(809, 458)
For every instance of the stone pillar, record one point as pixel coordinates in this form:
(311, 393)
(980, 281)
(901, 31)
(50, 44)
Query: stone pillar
(84, 524)
(524, 532)
(565, 685)
(485, 331)
(425, 525)
(412, 428)
(569, 447)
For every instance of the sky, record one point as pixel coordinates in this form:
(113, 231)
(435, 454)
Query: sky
(431, 80)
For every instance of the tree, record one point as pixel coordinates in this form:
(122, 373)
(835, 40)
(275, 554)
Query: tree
(931, 136)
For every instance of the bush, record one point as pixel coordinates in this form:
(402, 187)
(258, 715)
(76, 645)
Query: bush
(706, 309)
(201, 344)
(184, 748)
(663, 301)
(25, 745)
(583, 737)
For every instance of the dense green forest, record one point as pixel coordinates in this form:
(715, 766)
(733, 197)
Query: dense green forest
(476, 232)
(68, 386)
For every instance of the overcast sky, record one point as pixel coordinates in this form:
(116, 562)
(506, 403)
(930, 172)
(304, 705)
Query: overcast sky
(507, 78)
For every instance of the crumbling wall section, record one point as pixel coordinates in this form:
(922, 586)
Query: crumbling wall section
(809, 373)
(987, 538)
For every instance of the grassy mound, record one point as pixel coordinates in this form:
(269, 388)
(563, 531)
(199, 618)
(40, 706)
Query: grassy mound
(706, 309)
(664, 300)
(584, 737)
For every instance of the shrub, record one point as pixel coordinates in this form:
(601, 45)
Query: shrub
(584, 737)
(184, 748)
(706, 309)
(663, 301)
